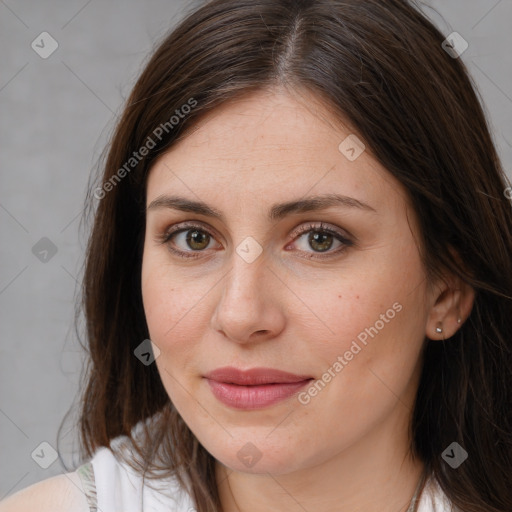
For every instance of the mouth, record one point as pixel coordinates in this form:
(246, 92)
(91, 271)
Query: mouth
(255, 388)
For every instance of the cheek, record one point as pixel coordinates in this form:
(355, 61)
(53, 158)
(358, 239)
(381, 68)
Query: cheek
(168, 305)
(173, 323)
(372, 317)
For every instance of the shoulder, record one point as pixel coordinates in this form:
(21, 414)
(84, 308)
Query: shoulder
(107, 482)
(62, 493)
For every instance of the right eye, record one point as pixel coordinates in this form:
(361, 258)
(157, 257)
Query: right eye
(191, 237)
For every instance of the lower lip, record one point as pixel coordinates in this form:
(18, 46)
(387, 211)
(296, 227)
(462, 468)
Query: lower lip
(254, 397)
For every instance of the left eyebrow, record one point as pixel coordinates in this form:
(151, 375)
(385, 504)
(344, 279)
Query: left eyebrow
(316, 203)
(276, 211)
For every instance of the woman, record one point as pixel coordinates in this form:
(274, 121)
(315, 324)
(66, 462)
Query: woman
(298, 283)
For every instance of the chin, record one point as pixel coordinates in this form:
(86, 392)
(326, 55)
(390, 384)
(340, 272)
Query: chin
(258, 457)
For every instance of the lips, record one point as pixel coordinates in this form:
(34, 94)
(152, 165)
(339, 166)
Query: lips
(254, 376)
(255, 388)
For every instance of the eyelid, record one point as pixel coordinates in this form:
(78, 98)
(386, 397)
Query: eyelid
(322, 226)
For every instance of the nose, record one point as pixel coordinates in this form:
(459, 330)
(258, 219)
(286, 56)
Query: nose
(250, 307)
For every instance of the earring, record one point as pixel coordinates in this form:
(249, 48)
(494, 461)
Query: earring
(459, 320)
(439, 330)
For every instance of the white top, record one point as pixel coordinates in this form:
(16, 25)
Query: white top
(117, 487)
(111, 485)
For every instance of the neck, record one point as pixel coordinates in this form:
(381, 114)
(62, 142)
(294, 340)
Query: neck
(375, 475)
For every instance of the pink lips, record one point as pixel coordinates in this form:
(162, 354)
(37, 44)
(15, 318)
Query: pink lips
(255, 388)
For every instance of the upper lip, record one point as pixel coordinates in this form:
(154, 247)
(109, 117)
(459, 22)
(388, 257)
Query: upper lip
(254, 376)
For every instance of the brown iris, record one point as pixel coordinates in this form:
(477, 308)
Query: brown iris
(196, 239)
(322, 240)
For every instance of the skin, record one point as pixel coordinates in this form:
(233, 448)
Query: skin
(291, 309)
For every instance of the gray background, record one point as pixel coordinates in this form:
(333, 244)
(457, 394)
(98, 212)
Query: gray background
(56, 114)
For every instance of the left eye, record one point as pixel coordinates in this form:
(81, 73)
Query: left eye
(321, 239)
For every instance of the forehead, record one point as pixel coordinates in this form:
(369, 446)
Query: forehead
(270, 144)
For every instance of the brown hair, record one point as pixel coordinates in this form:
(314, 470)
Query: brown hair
(380, 65)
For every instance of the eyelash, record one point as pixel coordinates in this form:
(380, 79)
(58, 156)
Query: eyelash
(167, 236)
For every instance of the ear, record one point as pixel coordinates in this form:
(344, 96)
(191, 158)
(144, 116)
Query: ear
(452, 303)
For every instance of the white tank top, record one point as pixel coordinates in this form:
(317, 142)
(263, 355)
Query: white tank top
(111, 485)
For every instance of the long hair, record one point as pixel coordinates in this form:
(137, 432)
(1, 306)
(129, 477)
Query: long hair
(381, 65)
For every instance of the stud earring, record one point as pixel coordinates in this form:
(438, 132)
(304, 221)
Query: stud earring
(439, 330)
(459, 320)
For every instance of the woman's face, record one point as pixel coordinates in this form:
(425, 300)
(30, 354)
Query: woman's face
(291, 253)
